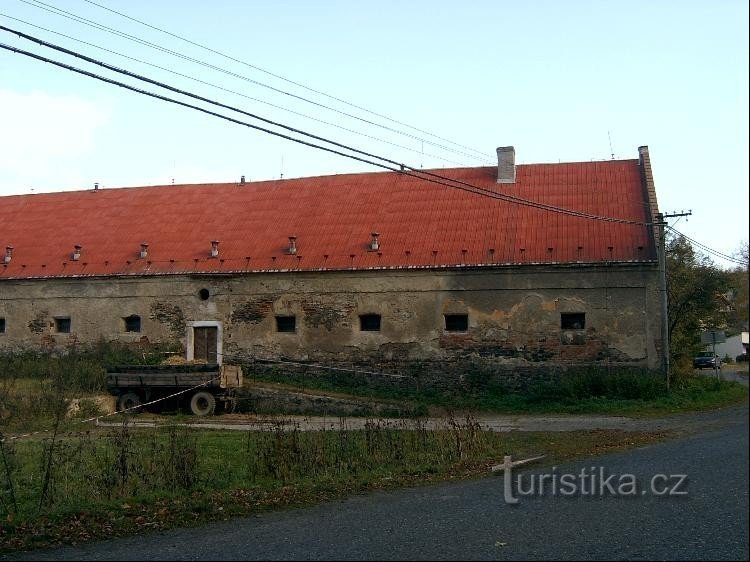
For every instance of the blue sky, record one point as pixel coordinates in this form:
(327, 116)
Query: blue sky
(555, 79)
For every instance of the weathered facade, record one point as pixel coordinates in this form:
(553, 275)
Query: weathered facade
(513, 286)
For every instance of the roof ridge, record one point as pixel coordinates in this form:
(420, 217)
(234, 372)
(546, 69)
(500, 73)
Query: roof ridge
(438, 171)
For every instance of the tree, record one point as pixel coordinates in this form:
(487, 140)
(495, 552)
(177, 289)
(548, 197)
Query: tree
(737, 319)
(696, 300)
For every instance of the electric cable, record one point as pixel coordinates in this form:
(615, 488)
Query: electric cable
(390, 164)
(265, 71)
(265, 102)
(69, 15)
(708, 249)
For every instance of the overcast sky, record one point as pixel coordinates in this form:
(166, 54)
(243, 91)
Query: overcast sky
(561, 81)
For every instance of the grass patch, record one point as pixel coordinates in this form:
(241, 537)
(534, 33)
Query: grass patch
(32, 383)
(63, 487)
(689, 394)
(83, 366)
(97, 485)
(586, 392)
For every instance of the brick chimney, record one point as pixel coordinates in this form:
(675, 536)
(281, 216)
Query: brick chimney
(506, 164)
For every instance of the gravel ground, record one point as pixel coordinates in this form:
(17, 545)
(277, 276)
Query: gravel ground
(248, 422)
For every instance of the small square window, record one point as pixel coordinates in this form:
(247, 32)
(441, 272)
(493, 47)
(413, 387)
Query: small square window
(132, 323)
(573, 320)
(62, 325)
(286, 324)
(2, 325)
(369, 322)
(456, 322)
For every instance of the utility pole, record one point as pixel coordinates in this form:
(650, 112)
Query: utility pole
(662, 254)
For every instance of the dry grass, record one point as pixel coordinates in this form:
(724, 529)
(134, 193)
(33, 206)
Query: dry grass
(117, 482)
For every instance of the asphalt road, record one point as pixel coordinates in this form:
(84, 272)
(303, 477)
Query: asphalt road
(471, 520)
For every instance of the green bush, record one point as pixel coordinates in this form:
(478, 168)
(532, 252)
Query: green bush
(597, 384)
(82, 367)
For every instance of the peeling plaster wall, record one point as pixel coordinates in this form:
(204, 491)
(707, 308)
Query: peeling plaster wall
(514, 313)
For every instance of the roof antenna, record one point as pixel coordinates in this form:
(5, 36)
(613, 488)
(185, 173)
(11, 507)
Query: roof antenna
(421, 164)
(612, 152)
(282, 168)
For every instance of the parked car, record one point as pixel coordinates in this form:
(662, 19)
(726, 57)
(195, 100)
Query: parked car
(706, 360)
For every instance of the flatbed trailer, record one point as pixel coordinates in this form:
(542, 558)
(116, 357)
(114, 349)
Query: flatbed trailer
(203, 384)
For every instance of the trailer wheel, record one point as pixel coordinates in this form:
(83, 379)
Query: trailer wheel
(202, 403)
(129, 400)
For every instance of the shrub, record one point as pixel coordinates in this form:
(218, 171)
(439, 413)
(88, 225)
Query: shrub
(626, 385)
(82, 366)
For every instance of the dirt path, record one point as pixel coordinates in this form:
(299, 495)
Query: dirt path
(247, 422)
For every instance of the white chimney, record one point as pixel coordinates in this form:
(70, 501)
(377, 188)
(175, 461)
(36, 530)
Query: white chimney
(506, 164)
(76, 252)
(374, 245)
(214, 248)
(144, 250)
(8, 254)
(292, 249)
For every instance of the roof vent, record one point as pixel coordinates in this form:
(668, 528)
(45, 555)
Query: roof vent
(96, 186)
(374, 244)
(144, 250)
(292, 249)
(242, 180)
(214, 248)
(506, 164)
(8, 254)
(76, 252)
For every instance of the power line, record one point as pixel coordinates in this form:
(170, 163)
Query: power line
(708, 249)
(258, 68)
(389, 164)
(190, 94)
(69, 15)
(193, 78)
(171, 100)
(436, 178)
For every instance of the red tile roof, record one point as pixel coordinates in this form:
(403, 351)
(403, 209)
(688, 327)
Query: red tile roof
(421, 224)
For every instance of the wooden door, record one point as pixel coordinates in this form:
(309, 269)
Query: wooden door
(205, 344)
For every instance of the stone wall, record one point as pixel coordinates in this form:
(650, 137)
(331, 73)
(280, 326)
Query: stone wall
(514, 314)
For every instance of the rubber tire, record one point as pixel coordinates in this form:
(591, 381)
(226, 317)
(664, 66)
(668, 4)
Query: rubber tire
(129, 400)
(203, 403)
